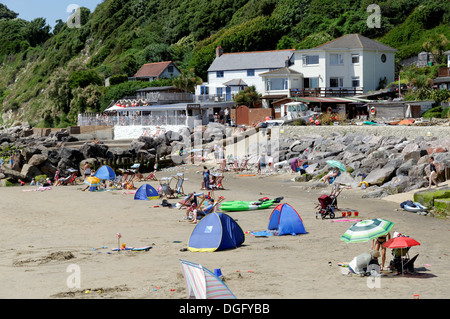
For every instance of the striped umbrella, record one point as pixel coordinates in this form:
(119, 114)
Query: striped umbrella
(337, 165)
(366, 230)
(202, 283)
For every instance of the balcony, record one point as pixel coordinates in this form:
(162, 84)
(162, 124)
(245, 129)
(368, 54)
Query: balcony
(213, 97)
(165, 98)
(317, 92)
(443, 71)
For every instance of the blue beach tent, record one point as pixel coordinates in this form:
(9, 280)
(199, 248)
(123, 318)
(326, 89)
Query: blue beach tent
(285, 220)
(216, 231)
(105, 172)
(146, 192)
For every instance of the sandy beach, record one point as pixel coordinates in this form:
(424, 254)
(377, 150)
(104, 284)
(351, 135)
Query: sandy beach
(45, 233)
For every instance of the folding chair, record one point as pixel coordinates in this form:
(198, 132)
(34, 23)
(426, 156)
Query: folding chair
(165, 189)
(218, 182)
(179, 186)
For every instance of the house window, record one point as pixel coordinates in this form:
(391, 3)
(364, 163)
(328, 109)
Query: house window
(309, 83)
(355, 81)
(336, 82)
(251, 72)
(277, 84)
(336, 59)
(310, 59)
(355, 58)
(219, 74)
(170, 69)
(204, 90)
(219, 91)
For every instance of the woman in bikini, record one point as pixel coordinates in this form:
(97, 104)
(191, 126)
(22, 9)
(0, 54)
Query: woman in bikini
(377, 244)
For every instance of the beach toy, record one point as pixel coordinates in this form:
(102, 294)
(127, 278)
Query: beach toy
(356, 213)
(343, 214)
(416, 296)
(218, 272)
(349, 213)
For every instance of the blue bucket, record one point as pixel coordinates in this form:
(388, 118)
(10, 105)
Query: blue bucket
(218, 272)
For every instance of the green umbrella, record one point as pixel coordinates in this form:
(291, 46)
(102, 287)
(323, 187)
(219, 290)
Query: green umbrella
(337, 164)
(366, 230)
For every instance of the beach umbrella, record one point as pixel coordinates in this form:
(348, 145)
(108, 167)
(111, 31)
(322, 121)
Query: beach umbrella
(401, 242)
(337, 164)
(366, 230)
(92, 181)
(202, 283)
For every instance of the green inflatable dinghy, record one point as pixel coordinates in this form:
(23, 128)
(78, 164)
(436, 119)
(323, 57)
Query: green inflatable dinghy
(249, 205)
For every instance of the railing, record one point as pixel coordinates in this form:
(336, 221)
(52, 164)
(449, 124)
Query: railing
(213, 97)
(155, 97)
(443, 71)
(130, 120)
(317, 92)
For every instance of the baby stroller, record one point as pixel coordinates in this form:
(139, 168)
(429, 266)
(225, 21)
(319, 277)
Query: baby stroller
(328, 203)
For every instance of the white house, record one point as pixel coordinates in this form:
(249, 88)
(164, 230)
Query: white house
(231, 72)
(348, 65)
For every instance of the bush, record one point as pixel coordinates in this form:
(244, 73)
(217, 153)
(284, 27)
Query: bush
(435, 112)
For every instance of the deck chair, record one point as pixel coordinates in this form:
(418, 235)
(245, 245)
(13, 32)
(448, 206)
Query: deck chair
(243, 165)
(179, 186)
(151, 176)
(165, 189)
(72, 180)
(218, 183)
(223, 166)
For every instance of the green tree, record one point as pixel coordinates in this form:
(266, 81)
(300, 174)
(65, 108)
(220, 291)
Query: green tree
(436, 44)
(187, 80)
(248, 97)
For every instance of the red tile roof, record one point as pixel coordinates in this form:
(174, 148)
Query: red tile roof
(152, 69)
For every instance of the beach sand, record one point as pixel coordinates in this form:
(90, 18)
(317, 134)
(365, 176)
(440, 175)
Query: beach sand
(47, 233)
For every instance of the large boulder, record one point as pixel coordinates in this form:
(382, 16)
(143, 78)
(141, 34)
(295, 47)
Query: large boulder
(427, 197)
(380, 176)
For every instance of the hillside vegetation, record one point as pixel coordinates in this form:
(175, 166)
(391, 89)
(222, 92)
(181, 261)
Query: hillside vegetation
(49, 76)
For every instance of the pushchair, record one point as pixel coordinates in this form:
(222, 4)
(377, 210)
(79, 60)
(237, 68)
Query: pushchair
(328, 203)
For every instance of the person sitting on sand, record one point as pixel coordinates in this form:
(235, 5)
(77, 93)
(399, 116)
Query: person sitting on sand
(203, 212)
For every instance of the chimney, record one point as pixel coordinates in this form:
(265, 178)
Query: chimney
(219, 51)
(287, 62)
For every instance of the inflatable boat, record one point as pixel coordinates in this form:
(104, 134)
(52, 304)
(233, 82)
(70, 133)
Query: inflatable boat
(262, 203)
(413, 206)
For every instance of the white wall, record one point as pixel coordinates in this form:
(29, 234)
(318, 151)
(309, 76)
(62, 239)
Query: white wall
(256, 80)
(374, 69)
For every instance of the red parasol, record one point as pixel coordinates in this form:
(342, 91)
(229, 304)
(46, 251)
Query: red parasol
(401, 242)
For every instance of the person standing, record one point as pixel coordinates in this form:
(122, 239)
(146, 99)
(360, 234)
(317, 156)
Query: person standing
(433, 173)
(87, 170)
(206, 176)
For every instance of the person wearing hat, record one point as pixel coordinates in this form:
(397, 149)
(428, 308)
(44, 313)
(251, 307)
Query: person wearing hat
(374, 260)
